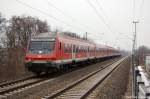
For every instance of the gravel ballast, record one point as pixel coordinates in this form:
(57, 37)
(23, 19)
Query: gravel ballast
(57, 83)
(116, 86)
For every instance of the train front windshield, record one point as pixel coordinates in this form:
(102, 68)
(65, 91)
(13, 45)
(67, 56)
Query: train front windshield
(41, 47)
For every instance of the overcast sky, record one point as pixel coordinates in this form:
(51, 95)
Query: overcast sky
(106, 21)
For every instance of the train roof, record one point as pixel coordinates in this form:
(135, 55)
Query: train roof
(102, 46)
(75, 40)
(44, 35)
(69, 39)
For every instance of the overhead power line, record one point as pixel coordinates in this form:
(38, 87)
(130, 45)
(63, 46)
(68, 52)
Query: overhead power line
(50, 4)
(133, 9)
(98, 14)
(69, 16)
(49, 15)
(141, 9)
(104, 14)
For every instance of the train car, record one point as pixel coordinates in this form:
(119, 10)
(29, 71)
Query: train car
(50, 51)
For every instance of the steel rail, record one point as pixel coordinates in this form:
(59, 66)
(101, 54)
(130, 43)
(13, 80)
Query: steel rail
(12, 88)
(3, 84)
(72, 85)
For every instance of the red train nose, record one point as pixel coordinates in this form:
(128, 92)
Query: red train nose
(40, 57)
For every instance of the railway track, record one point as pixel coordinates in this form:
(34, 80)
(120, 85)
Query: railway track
(9, 89)
(18, 86)
(82, 87)
(15, 81)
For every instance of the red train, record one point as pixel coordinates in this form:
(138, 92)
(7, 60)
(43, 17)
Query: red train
(47, 51)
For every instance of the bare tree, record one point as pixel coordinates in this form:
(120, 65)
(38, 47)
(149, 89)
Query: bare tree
(2, 23)
(42, 26)
(2, 29)
(21, 29)
(141, 52)
(17, 31)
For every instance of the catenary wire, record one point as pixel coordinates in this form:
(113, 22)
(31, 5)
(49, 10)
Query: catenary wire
(98, 14)
(69, 16)
(49, 15)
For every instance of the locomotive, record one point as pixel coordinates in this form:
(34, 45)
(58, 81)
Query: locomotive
(52, 50)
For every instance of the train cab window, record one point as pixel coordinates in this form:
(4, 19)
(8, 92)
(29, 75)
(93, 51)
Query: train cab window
(41, 47)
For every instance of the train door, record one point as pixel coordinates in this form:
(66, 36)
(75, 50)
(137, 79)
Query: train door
(87, 52)
(60, 50)
(73, 52)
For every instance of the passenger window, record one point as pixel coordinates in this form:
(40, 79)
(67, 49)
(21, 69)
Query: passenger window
(66, 48)
(77, 49)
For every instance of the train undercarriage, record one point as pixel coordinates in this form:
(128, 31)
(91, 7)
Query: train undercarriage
(40, 67)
